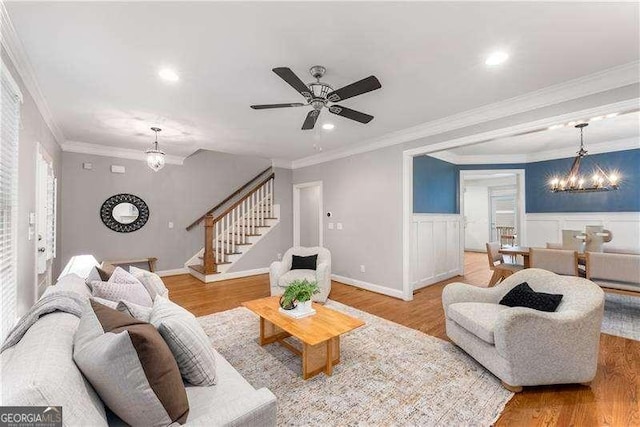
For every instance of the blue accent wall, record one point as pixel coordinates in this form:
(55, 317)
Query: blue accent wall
(436, 184)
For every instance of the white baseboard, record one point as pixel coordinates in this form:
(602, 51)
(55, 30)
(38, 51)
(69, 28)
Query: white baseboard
(174, 272)
(396, 293)
(236, 274)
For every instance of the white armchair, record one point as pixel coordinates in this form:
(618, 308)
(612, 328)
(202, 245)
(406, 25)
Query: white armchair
(280, 273)
(526, 347)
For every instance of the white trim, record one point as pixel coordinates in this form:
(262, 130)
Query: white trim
(560, 153)
(235, 275)
(587, 85)
(10, 41)
(521, 229)
(12, 82)
(172, 272)
(396, 293)
(296, 211)
(407, 217)
(117, 152)
(281, 163)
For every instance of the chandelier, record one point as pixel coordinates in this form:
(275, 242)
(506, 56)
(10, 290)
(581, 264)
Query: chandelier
(155, 157)
(573, 182)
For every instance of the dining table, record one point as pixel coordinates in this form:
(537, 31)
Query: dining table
(523, 251)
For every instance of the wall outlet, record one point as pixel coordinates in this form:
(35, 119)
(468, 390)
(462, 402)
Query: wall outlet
(87, 166)
(279, 257)
(362, 269)
(339, 226)
(117, 169)
(170, 224)
(330, 226)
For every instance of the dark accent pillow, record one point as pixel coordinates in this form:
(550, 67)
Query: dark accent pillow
(523, 296)
(304, 262)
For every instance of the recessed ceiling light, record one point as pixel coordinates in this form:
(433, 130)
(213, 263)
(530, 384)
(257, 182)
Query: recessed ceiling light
(168, 74)
(496, 58)
(328, 126)
(608, 116)
(552, 127)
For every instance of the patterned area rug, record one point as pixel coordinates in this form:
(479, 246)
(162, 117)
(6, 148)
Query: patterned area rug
(621, 316)
(388, 375)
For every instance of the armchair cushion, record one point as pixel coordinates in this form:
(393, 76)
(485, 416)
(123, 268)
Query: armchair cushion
(523, 296)
(292, 275)
(304, 262)
(479, 318)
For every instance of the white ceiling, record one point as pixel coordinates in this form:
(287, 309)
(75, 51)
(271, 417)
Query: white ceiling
(97, 64)
(622, 127)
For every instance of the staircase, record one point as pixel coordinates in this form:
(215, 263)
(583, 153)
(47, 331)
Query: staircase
(245, 217)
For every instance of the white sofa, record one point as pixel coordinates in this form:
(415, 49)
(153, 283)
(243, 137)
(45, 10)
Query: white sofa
(40, 370)
(280, 273)
(614, 270)
(526, 347)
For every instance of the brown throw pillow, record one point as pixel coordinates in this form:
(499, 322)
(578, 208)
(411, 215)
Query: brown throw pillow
(131, 367)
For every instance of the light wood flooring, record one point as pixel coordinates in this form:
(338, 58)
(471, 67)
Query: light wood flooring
(612, 399)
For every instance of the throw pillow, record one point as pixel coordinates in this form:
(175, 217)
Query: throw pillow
(97, 275)
(154, 284)
(304, 262)
(133, 292)
(187, 340)
(140, 312)
(131, 367)
(523, 296)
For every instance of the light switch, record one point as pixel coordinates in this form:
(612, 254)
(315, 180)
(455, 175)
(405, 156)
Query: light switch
(117, 169)
(170, 224)
(330, 226)
(87, 166)
(339, 226)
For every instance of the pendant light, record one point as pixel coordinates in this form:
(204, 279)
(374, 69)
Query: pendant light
(155, 157)
(573, 182)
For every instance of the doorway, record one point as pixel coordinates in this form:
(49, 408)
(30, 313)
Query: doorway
(491, 200)
(307, 214)
(45, 220)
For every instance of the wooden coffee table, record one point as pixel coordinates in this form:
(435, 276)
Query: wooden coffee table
(319, 334)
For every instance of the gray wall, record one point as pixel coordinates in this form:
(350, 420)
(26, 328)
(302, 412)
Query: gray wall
(33, 129)
(178, 194)
(364, 192)
(309, 217)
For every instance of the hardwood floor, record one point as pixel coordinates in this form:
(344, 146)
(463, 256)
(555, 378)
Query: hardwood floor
(612, 399)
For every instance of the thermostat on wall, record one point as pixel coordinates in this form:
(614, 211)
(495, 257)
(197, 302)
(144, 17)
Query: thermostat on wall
(117, 169)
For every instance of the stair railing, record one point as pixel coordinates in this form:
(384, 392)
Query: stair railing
(223, 233)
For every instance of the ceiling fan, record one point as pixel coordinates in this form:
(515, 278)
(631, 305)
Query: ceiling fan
(319, 95)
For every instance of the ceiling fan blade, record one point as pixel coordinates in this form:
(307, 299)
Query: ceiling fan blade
(350, 114)
(266, 106)
(355, 89)
(294, 81)
(311, 119)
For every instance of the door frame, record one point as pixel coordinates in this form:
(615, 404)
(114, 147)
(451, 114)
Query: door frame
(41, 152)
(520, 197)
(296, 211)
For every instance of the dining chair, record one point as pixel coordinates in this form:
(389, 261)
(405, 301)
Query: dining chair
(501, 270)
(506, 235)
(559, 261)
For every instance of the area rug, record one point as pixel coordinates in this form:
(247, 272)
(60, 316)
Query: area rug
(388, 375)
(621, 316)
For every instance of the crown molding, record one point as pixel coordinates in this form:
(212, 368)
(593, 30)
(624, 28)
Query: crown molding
(602, 81)
(560, 153)
(281, 163)
(117, 152)
(12, 45)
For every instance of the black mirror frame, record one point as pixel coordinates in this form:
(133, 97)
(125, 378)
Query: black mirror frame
(106, 213)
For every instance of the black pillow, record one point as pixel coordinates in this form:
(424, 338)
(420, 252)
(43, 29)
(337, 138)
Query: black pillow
(304, 262)
(523, 296)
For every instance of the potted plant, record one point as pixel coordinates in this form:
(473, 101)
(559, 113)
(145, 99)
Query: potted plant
(299, 294)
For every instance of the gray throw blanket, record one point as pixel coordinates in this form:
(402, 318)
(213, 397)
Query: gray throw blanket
(65, 301)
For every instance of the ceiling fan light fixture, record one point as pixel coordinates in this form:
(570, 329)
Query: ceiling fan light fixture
(328, 126)
(155, 156)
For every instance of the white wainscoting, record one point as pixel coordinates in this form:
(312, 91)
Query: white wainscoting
(436, 248)
(547, 227)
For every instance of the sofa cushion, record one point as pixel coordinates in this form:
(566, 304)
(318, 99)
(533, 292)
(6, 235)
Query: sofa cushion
(292, 275)
(304, 262)
(40, 371)
(70, 283)
(523, 296)
(151, 281)
(96, 274)
(131, 367)
(479, 318)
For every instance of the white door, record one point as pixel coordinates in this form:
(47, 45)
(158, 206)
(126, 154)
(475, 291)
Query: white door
(307, 214)
(476, 217)
(46, 194)
(503, 213)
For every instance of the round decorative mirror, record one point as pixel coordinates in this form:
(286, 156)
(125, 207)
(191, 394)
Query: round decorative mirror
(124, 213)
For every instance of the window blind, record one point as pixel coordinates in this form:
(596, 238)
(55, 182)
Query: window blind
(10, 99)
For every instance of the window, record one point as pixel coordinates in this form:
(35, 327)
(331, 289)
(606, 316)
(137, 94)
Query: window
(10, 100)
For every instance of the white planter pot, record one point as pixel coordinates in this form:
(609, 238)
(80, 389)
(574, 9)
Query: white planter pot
(304, 306)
